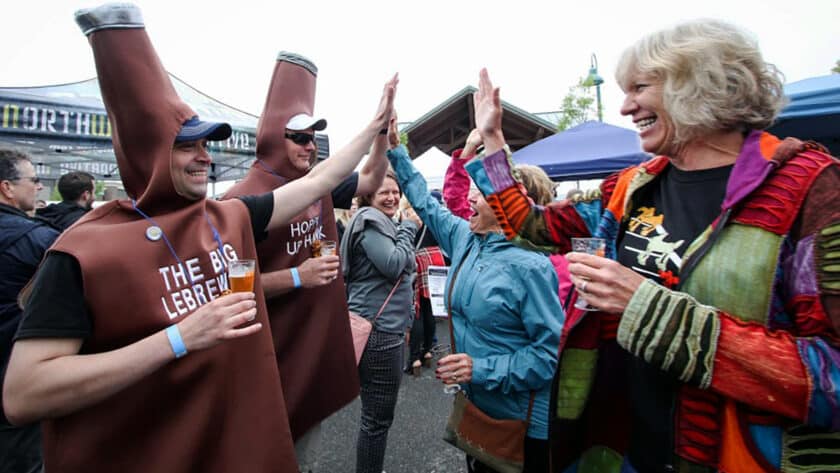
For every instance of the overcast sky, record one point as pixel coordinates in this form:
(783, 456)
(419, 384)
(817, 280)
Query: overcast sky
(534, 50)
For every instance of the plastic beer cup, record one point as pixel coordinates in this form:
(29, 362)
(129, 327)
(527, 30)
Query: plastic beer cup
(592, 246)
(241, 275)
(327, 247)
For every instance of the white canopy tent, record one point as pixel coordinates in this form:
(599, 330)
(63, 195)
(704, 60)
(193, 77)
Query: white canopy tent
(432, 165)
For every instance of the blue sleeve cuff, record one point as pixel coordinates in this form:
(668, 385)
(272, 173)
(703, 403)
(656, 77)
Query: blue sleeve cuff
(480, 369)
(396, 154)
(493, 173)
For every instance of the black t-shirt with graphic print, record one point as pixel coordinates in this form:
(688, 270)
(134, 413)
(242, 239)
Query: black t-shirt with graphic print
(666, 217)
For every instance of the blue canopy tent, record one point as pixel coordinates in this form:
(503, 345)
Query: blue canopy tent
(813, 112)
(590, 150)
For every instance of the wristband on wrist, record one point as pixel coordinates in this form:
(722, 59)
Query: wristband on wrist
(176, 341)
(295, 277)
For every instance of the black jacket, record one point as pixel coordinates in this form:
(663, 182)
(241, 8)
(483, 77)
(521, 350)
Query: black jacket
(62, 214)
(23, 242)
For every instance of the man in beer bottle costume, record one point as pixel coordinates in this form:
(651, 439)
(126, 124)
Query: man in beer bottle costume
(305, 296)
(128, 351)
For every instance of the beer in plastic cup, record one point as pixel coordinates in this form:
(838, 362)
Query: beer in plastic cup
(241, 275)
(327, 247)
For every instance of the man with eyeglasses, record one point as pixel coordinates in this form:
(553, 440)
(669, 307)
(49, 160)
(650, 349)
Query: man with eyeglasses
(23, 242)
(304, 292)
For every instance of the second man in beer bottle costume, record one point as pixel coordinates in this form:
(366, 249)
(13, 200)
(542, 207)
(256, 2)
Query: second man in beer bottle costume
(305, 294)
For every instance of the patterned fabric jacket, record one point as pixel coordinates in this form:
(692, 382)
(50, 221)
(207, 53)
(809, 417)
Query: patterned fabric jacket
(749, 327)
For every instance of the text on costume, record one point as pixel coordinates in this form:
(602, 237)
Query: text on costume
(302, 233)
(189, 288)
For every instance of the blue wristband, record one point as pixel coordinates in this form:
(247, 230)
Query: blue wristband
(295, 277)
(176, 341)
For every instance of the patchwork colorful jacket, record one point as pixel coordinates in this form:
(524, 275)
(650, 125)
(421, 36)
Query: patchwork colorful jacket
(749, 327)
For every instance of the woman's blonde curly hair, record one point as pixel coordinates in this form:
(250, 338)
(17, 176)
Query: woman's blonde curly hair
(538, 185)
(713, 77)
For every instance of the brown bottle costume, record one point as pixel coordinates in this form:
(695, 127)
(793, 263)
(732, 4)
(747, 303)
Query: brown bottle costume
(310, 326)
(217, 410)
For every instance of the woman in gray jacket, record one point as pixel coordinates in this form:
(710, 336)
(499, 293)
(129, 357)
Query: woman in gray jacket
(378, 266)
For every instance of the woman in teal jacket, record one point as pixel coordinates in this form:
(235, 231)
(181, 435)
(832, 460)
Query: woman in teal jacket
(505, 313)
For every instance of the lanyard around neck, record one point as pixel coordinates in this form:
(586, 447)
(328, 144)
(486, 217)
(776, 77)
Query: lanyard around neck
(215, 232)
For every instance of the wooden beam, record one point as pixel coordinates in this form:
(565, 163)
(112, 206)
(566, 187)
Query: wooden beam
(470, 112)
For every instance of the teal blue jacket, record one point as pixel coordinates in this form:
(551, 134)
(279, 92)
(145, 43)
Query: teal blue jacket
(505, 311)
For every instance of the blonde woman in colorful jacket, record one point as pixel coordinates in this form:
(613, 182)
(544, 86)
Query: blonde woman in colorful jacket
(716, 344)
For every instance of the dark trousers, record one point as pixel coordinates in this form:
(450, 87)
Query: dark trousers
(20, 449)
(380, 372)
(422, 332)
(536, 459)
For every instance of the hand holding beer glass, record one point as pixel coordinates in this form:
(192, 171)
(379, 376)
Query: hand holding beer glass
(241, 275)
(327, 247)
(592, 246)
(450, 382)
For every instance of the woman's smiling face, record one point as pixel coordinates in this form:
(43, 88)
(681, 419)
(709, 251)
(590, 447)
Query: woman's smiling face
(386, 199)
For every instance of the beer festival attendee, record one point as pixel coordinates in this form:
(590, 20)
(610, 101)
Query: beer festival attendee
(716, 344)
(128, 351)
(304, 294)
(505, 315)
(23, 241)
(77, 194)
(378, 265)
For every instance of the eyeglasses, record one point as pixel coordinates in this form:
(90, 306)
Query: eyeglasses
(32, 179)
(302, 139)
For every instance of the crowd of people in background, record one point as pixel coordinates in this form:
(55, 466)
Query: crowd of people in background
(705, 337)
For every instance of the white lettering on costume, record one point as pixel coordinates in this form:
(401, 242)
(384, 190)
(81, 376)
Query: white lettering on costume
(294, 248)
(187, 286)
(166, 308)
(222, 281)
(164, 272)
(179, 304)
(230, 253)
(194, 270)
(303, 233)
(178, 274)
(213, 289)
(217, 261)
(187, 296)
(199, 294)
(294, 229)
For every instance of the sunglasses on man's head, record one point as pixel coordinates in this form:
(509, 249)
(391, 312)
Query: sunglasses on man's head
(300, 138)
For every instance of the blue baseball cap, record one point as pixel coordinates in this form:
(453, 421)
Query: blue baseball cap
(196, 129)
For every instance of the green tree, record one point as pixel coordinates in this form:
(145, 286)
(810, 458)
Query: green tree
(404, 139)
(836, 68)
(578, 106)
(99, 189)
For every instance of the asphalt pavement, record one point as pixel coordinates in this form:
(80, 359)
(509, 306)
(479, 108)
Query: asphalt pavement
(414, 441)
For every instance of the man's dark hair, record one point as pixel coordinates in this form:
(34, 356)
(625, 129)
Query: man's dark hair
(9, 159)
(73, 184)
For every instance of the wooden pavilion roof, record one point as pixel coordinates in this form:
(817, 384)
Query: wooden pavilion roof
(448, 125)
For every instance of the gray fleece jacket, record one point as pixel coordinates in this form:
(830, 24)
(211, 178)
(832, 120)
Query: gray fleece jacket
(375, 253)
